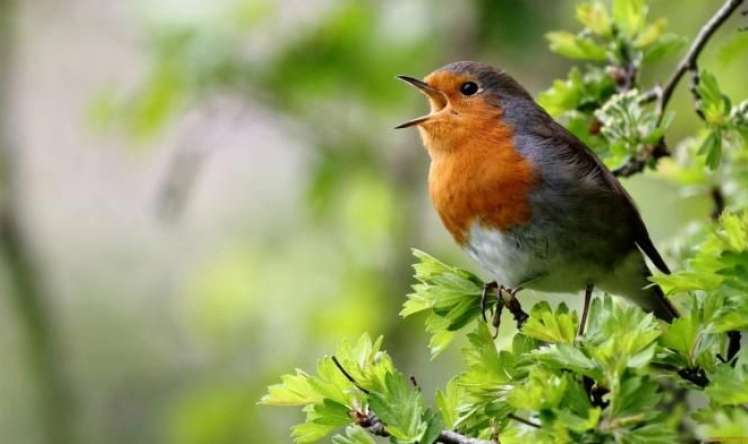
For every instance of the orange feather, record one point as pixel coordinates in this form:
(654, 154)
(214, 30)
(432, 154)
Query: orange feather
(476, 172)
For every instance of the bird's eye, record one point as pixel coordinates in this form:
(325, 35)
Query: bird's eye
(469, 88)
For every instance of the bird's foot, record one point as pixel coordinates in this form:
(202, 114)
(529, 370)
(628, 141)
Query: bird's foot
(505, 297)
(512, 303)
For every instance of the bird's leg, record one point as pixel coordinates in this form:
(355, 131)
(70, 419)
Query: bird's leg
(487, 287)
(512, 303)
(585, 309)
(496, 319)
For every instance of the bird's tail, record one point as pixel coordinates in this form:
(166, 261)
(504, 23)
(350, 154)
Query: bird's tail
(631, 280)
(657, 303)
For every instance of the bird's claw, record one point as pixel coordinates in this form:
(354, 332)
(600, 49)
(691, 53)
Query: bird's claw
(489, 286)
(504, 297)
(512, 303)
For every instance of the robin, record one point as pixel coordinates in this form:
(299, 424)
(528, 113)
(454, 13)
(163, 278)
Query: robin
(525, 198)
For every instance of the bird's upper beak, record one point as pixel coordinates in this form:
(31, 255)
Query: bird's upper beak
(437, 98)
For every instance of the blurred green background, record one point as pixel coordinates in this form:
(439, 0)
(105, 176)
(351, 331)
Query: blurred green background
(213, 195)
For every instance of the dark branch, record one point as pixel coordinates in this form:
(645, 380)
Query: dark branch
(696, 375)
(638, 163)
(348, 375)
(664, 94)
(719, 202)
(523, 420)
(692, 56)
(372, 424)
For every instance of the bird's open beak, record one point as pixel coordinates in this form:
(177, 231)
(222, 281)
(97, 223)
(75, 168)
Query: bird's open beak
(437, 98)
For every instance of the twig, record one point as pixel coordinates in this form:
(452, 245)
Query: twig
(414, 381)
(664, 94)
(523, 420)
(348, 375)
(696, 375)
(719, 202)
(372, 424)
(733, 346)
(585, 309)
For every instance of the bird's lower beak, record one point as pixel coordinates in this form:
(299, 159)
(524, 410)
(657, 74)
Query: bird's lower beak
(437, 98)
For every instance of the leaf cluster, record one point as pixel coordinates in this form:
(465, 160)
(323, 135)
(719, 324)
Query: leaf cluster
(598, 101)
(616, 384)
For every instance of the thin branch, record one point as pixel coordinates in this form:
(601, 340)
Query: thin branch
(692, 56)
(523, 420)
(664, 94)
(718, 199)
(348, 375)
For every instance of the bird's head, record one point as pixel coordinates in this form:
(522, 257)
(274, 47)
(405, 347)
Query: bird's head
(467, 99)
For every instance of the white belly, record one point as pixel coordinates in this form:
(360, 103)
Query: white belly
(526, 257)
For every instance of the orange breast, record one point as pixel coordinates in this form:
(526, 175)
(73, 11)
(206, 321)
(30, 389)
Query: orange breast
(480, 178)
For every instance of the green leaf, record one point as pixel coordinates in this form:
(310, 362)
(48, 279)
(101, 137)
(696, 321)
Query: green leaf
(541, 391)
(636, 396)
(620, 336)
(399, 406)
(448, 402)
(712, 149)
(567, 357)
(293, 390)
(449, 294)
(629, 15)
(549, 326)
(575, 46)
(322, 419)
(723, 425)
(488, 371)
(595, 17)
(664, 46)
(715, 105)
(563, 95)
(728, 385)
(354, 435)
(661, 433)
(681, 335)
(651, 33)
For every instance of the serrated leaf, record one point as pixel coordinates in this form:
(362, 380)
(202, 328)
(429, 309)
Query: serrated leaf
(549, 326)
(595, 17)
(575, 47)
(293, 390)
(728, 385)
(566, 357)
(541, 391)
(399, 405)
(354, 435)
(448, 403)
(629, 15)
(449, 294)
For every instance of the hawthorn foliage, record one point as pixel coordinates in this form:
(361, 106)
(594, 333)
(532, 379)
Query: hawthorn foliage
(629, 378)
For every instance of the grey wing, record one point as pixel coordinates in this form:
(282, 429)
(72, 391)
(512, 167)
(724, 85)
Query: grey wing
(572, 159)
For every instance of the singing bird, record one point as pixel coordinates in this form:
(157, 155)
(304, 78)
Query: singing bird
(525, 198)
